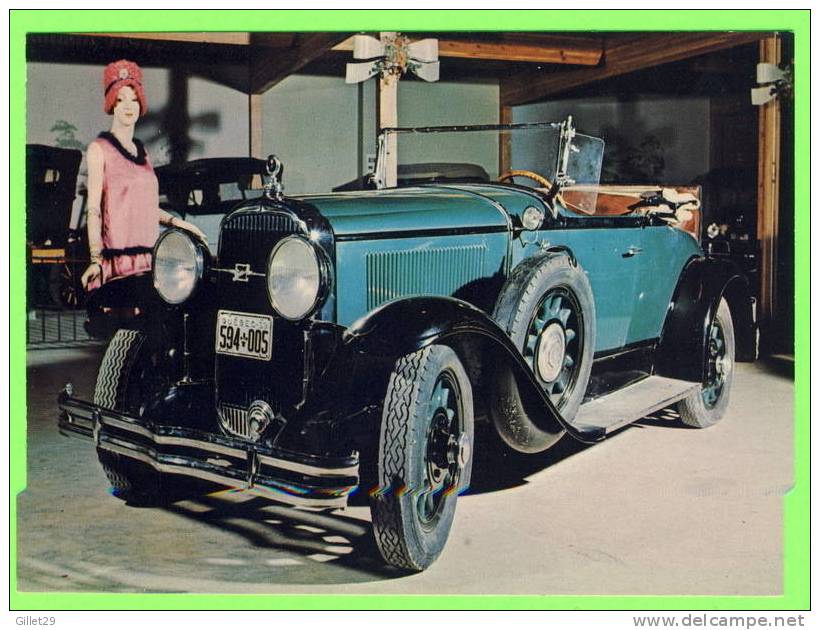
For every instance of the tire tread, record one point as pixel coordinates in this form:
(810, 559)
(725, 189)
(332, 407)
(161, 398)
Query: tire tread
(403, 540)
(692, 410)
(396, 426)
(131, 481)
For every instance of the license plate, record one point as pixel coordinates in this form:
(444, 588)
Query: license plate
(244, 335)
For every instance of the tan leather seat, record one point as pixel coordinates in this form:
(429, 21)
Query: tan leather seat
(614, 200)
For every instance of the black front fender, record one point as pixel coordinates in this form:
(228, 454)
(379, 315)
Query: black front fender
(703, 283)
(357, 376)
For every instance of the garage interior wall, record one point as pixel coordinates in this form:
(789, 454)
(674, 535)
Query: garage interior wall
(311, 124)
(217, 117)
(442, 103)
(319, 126)
(324, 130)
(675, 129)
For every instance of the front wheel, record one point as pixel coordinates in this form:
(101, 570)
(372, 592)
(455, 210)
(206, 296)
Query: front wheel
(425, 456)
(123, 383)
(706, 406)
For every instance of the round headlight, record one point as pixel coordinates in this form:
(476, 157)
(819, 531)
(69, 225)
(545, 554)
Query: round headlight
(178, 266)
(294, 278)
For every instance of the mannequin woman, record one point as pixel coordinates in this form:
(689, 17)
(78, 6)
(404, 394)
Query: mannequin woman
(123, 197)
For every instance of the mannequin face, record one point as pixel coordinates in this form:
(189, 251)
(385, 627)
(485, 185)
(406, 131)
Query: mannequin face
(127, 108)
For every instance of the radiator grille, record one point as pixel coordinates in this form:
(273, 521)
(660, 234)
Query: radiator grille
(437, 271)
(249, 237)
(235, 420)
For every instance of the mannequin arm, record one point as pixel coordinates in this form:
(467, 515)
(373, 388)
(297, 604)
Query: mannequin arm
(165, 218)
(96, 165)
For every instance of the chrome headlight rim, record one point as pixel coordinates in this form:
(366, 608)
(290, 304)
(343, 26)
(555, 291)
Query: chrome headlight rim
(532, 218)
(200, 256)
(323, 266)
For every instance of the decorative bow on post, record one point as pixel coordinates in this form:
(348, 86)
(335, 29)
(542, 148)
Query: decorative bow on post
(390, 57)
(774, 81)
(393, 56)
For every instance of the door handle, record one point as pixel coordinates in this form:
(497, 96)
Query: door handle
(632, 251)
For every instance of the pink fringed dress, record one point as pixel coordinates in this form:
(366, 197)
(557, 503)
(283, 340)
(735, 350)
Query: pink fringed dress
(130, 210)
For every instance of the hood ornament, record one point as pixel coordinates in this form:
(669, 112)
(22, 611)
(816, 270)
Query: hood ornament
(273, 187)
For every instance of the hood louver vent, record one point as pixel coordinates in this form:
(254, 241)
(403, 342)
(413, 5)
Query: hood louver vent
(439, 271)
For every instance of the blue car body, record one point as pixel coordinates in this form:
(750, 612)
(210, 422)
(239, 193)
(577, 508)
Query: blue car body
(436, 240)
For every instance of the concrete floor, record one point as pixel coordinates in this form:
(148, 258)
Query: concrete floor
(656, 509)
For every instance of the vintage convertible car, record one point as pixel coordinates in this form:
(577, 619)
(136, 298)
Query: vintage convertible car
(354, 339)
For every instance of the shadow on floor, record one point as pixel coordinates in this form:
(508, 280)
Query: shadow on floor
(345, 545)
(780, 364)
(497, 467)
(667, 418)
(298, 538)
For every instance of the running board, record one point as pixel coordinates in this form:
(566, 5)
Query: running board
(602, 416)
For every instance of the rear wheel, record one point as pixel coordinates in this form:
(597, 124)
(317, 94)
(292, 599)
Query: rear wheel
(705, 407)
(425, 458)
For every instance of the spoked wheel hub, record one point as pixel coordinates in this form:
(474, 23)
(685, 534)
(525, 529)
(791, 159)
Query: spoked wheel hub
(554, 344)
(551, 352)
(448, 448)
(719, 365)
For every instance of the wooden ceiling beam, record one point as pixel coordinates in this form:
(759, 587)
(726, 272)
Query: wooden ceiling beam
(270, 65)
(562, 54)
(240, 39)
(585, 51)
(223, 63)
(644, 51)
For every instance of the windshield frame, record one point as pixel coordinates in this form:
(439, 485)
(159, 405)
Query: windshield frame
(382, 178)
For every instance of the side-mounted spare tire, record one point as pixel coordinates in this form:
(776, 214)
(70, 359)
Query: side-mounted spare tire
(424, 458)
(122, 385)
(548, 310)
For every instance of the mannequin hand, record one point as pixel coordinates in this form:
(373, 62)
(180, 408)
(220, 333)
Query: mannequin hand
(92, 272)
(190, 227)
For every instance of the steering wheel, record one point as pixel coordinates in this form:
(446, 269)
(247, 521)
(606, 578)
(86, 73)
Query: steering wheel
(528, 174)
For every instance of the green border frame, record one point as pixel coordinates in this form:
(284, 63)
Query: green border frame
(796, 505)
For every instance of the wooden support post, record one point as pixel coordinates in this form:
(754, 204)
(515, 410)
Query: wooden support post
(255, 148)
(768, 188)
(389, 117)
(504, 140)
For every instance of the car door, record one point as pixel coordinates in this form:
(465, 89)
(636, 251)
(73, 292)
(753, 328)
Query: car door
(609, 251)
(664, 252)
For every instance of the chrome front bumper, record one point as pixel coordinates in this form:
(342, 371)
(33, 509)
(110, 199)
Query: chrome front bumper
(284, 476)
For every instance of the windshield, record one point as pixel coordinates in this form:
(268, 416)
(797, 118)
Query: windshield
(536, 155)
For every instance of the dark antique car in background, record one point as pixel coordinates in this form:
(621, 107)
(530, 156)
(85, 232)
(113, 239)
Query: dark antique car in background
(352, 340)
(58, 252)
